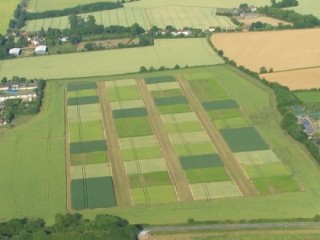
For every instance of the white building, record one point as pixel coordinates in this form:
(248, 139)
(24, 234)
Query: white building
(15, 51)
(41, 50)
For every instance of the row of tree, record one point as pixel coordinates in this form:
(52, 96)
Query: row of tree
(284, 3)
(70, 226)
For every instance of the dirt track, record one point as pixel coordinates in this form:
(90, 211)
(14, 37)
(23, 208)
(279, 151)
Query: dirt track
(230, 162)
(120, 179)
(176, 173)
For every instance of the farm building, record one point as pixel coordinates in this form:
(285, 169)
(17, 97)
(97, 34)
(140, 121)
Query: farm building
(15, 51)
(41, 50)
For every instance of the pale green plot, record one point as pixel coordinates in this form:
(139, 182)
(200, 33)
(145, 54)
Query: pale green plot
(239, 122)
(138, 196)
(198, 191)
(121, 83)
(90, 112)
(163, 86)
(127, 104)
(179, 117)
(223, 189)
(148, 165)
(72, 114)
(184, 127)
(162, 194)
(90, 171)
(138, 142)
(194, 149)
(256, 157)
(130, 154)
(266, 170)
(189, 137)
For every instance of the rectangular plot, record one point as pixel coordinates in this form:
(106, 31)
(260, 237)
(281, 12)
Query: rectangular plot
(129, 112)
(222, 104)
(243, 139)
(178, 108)
(160, 79)
(189, 137)
(73, 129)
(164, 86)
(133, 127)
(141, 153)
(83, 100)
(145, 141)
(277, 184)
(123, 83)
(124, 93)
(171, 100)
(166, 93)
(89, 158)
(135, 180)
(72, 114)
(127, 104)
(266, 170)
(87, 147)
(138, 196)
(167, 195)
(156, 178)
(82, 93)
(200, 161)
(179, 117)
(194, 149)
(223, 189)
(81, 86)
(207, 90)
(100, 192)
(225, 113)
(239, 122)
(198, 191)
(78, 199)
(184, 127)
(97, 170)
(215, 174)
(90, 112)
(92, 130)
(153, 165)
(257, 157)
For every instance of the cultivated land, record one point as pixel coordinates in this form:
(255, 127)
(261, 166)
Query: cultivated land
(168, 53)
(307, 7)
(7, 8)
(299, 58)
(269, 20)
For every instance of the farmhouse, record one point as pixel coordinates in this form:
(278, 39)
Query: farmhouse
(15, 51)
(41, 50)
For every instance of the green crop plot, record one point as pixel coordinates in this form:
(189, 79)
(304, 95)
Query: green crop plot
(194, 149)
(189, 137)
(266, 170)
(133, 127)
(238, 122)
(87, 147)
(178, 108)
(89, 131)
(163, 86)
(100, 192)
(141, 153)
(89, 158)
(148, 165)
(168, 194)
(150, 179)
(81, 93)
(78, 199)
(166, 93)
(308, 96)
(257, 157)
(214, 174)
(138, 196)
(218, 105)
(81, 86)
(129, 112)
(225, 113)
(222, 189)
(180, 117)
(198, 76)
(90, 171)
(171, 100)
(125, 93)
(138, 142)
(183, 127)
(244, 139)
(200, 161)
(161, 79)
(83, 100)
(127, 104)
(276, 184)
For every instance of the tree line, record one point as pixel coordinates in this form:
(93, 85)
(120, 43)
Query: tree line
(284, 3)
(71, 227)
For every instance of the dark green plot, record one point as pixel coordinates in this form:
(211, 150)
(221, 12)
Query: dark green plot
(78, 195)
(133, 127)
(166, 93)
(129, 112)
(100, 192)
(82, 100)
(135, 180)
(200, 161)
(156, 178)
(178, 108)
(244, 139)
(217, 105)
(171, 100)
(81, 86)
(86, 147)
(160, 79)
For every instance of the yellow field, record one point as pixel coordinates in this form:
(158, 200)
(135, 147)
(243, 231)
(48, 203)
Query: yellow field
(7, 8)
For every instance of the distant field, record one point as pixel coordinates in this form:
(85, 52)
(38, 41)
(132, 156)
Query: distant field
(308, 7)
(7, 8)
(168, 53)
(269, 20)
(308, 96)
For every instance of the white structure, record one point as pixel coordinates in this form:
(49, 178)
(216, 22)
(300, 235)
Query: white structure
(24, 97)
(41, 50)
(15, 51)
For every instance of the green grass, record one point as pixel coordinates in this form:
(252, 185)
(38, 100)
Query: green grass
(308, 96)
(142, 153)
(90, 158)
(91, 130)
(129, 112)
(194, 149)
(192, 126)
(150, 179)
(214, 174)
(165, 52)
(146, 166)
(166, 93)
(87, 146)
(133, 127)
(100, 192)
(237, 122)
(7, 8)
(82, 93)
(244, 139)
(222, 104)
(276, 184)
(168, 194)
(175, 100)
(179, 108)
(125, 93)
(225, 113)
(266, 170)
(83, 100)
(160, 79)
(200, 161)
(81, 86)
(307, 7)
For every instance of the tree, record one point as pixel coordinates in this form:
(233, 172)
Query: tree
(136, 29)
(263, 70)
(143, 69)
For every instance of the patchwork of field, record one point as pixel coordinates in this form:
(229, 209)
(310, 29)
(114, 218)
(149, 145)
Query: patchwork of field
(177, 16)
(7, 8)
(166, 52)
(90, 179)
(258, 161)
(272, 50)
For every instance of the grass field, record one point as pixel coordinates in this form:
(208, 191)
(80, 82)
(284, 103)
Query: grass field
(169, 52)
(308, 7)
(7, 8)
(308, 96)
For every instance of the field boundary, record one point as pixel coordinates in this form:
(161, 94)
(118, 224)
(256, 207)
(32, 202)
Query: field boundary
(67, 153)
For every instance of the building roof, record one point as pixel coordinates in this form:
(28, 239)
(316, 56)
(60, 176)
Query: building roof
(41, 49)
(15, 51)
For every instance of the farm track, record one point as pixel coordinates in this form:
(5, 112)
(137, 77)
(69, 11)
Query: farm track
(229, 160)
(177, 174)
(120, 179)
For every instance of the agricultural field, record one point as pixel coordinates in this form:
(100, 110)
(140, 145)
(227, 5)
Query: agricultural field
(272, 50)
(308, 96)
(166, 52)
(7, 8)
(308, 7)
(263, 19)
(89, 174)
(177, 16)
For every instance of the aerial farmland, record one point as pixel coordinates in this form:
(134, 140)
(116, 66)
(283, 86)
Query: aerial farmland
(164, 127)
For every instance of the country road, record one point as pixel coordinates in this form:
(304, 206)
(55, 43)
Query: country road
(243, 226)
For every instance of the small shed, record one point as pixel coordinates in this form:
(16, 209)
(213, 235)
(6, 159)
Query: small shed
(41, 50)
(15, 51)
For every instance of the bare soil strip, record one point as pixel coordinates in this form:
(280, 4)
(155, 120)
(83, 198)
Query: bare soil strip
(177, 174)
(229, 160)
(120, 179)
